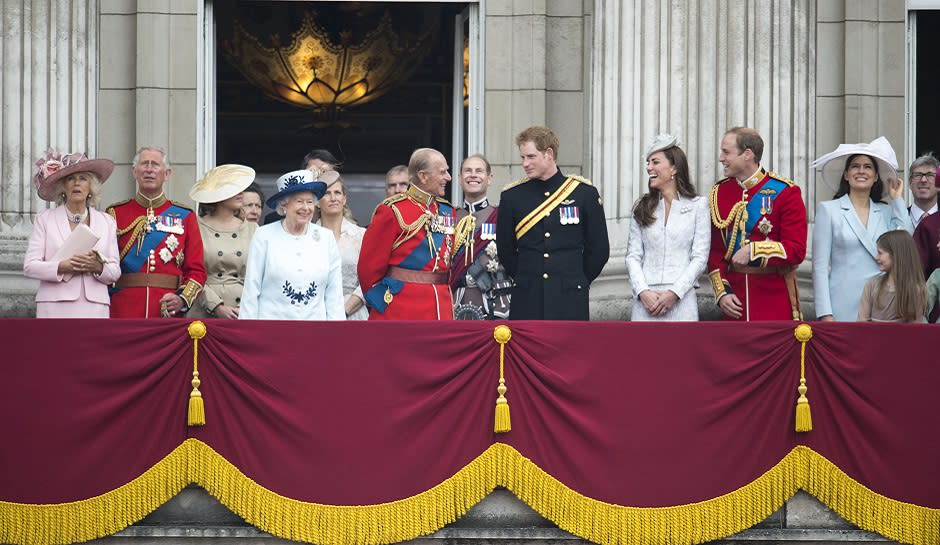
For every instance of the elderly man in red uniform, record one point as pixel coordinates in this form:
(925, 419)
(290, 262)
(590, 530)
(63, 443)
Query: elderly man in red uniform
(162, 267)
(406, 252)
(758, 234)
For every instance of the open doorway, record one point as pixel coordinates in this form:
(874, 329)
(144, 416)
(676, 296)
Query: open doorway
(926, 109)
(255, 125)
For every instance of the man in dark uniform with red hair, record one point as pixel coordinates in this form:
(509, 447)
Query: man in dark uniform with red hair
(758, 234)
(162, 266)
(551, 234)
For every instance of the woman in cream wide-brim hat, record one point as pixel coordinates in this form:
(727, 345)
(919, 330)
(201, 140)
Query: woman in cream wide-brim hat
(848, 226)
(74, 285)
(226, 237)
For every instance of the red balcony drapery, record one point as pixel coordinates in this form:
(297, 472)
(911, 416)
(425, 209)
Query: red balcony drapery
(378, 432)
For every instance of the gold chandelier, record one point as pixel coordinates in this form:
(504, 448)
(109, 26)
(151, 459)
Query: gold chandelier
(315, 73)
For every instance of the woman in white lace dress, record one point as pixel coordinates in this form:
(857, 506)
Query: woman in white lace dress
(669, 238)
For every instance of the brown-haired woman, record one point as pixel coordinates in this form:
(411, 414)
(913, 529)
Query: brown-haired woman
(670, 235)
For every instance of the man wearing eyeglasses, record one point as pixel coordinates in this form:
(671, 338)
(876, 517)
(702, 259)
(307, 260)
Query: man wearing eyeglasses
(924, 214)
(923, 187)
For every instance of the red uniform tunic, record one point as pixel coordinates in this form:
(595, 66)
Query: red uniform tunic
(413, 231)
(767, 213)
(161, 252)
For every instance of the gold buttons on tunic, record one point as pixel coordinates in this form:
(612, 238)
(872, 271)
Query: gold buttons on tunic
(545, 276)
(547, 234)
(545, 256)
(547, 194)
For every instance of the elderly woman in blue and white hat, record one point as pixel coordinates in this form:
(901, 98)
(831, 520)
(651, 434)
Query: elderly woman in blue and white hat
(848, 226)
(294, 266)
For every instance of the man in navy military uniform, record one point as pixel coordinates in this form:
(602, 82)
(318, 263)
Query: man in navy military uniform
(551, 234)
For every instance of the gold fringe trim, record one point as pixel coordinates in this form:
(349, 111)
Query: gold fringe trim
(382, 523)
(100, 516)
(427, 512)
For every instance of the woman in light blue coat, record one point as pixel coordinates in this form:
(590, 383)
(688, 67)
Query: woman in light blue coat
(847, 227)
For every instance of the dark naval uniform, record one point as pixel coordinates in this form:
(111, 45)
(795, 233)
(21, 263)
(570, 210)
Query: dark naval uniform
(551, 236)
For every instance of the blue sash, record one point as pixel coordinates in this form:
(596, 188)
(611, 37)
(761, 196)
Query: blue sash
(134, 260)
(753, 212)
(417, 260)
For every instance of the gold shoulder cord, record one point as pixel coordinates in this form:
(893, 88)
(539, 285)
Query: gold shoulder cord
(409, 230)
(464, 235)
(736, 216)
(137, 236)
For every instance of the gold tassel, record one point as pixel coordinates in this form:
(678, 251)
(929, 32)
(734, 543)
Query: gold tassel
(197, 410)
(804, 418)
(502, 334)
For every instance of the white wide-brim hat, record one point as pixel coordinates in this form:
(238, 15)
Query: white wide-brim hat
(221, 183)
(53, 168)
(660, 142)
(878, 149)
(302, 180)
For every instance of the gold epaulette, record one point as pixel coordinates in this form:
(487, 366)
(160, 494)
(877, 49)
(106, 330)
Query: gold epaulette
(719, 182)
(581, 179)
(442, 200)
(111, 207)
(389, 201)
(183, 206)
(776, 176)
(511, 185)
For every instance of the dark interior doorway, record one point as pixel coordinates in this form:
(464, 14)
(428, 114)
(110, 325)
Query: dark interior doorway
(273, 137)
(927, 78)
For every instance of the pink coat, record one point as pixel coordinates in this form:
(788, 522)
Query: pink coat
(50, 230)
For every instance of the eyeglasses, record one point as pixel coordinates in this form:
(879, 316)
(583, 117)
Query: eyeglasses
(923, 176)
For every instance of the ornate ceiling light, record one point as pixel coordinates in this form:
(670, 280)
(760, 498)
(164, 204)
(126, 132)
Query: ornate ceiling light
(315, 73)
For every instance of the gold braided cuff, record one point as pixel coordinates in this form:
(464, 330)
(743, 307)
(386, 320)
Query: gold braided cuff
(719, 285)
(766, 249)
(190, 291)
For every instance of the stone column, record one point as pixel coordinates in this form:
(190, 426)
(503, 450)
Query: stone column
(148, 74)
(48, 100)
(535, 75)
(695, 70)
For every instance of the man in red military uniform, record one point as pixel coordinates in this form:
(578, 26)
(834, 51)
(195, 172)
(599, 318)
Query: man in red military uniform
(162, 267)
(758, 234)
(404, 264)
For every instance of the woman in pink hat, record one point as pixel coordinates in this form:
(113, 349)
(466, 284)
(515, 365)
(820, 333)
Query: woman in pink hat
(73, 247)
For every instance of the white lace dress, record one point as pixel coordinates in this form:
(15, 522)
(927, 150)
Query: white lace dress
(670, 254)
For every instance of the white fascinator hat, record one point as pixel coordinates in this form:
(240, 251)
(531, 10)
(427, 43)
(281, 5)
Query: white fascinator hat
(660, 142)
(878, 149)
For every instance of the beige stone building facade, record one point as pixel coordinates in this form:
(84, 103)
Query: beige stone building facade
(108, 76)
